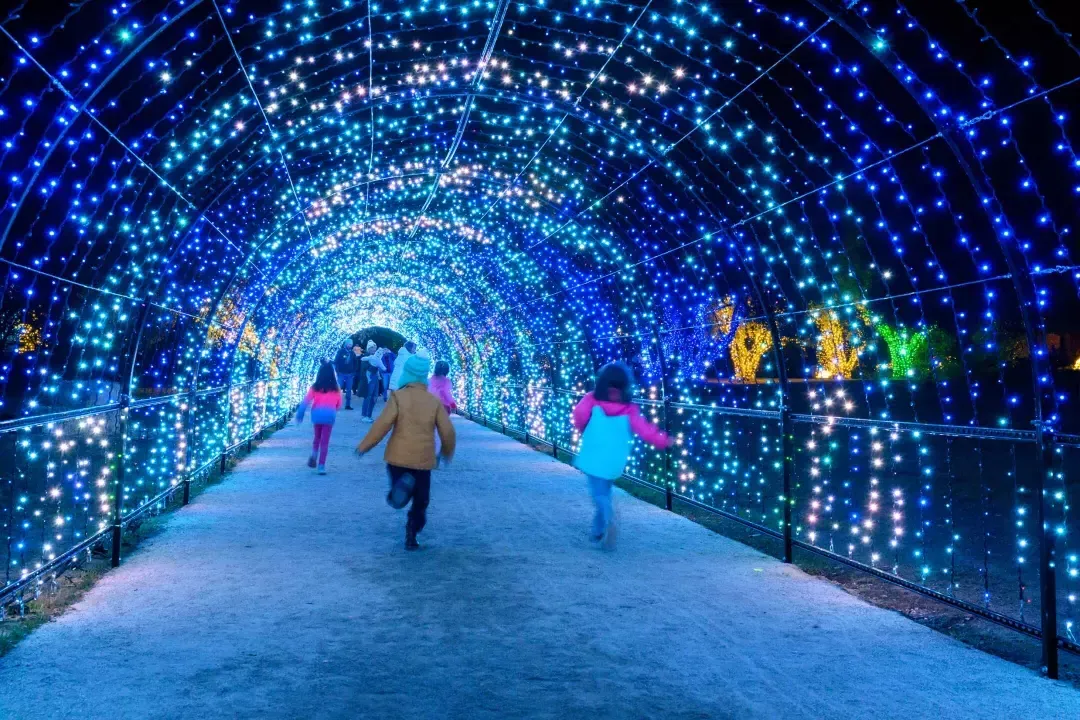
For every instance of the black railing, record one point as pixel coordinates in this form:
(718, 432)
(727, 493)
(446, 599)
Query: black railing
(239, 414)
(514, 422)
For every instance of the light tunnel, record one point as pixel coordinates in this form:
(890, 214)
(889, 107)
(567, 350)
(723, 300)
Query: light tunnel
(832, 239)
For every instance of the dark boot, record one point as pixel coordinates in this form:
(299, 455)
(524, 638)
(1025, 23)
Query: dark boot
(410, 540)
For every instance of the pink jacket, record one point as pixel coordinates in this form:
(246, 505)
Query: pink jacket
(641, 427)
(323, 406)
(440, 387)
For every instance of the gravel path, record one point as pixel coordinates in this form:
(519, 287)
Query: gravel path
(282, 594)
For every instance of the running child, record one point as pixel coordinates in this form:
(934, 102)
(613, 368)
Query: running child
(411, 416)
(324, 400)
(607, 419)
(439, 386)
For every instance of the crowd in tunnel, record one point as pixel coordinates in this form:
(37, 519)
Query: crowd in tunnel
(831, 239)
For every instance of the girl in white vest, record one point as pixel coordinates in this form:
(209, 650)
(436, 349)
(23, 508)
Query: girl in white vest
(608, 420)
(403, 356)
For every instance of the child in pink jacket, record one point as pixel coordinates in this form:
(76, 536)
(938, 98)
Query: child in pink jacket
(608, 420)
(324, 400)
(439, 386)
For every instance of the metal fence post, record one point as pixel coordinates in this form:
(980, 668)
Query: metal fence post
(189, 456)
(1047, 551)
(118, 495)
(669, 497)
(787, 449)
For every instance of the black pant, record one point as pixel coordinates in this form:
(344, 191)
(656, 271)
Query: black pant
(421, 494)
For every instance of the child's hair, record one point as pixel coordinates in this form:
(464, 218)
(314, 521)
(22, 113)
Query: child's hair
(410, 347)
(326, 379)
(614, 376)
(442, 368)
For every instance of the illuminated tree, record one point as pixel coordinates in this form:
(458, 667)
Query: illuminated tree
(752, 340)
(908, 356)
(838, 347)
(697, 337)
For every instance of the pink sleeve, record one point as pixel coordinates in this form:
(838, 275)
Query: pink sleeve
(583, 411)
(337, 401)
(309, 398)
(441, 390)
(647, 431)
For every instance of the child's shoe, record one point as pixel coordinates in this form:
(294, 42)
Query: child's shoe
(321, 470)
(608, 540)
(311, 461)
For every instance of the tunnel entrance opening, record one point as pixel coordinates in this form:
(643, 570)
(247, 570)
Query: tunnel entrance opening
(383, 337)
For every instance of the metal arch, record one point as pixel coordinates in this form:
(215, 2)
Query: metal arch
(250, 314)
(262, 111)
(1033, 330)
(82, 109)
(514, 98)
(273, 279)
(577, 103)
(481, 66)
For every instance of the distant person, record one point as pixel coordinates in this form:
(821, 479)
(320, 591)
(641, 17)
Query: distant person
(361, 351)
(387, 371)
(439, 386)
(370, 370)
(324, 401)
(608, 419)
(345, 365)
(406, 352)
(412, 416)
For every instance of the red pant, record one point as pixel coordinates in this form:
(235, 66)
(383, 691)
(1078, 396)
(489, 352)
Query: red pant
(321, 443)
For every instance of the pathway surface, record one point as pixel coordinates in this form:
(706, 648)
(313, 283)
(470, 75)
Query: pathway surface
(282, 594)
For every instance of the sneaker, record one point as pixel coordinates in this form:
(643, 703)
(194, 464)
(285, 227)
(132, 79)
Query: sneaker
(608, 540)
(348, 407)
(311, 461)
(410, 540)
(594, 538)
(321, 470)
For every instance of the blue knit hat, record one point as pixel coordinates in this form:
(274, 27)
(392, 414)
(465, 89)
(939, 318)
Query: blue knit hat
(416, 370)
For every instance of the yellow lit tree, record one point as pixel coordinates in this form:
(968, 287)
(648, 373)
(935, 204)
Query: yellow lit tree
(29, 338)
(838, 348)
(752, 340)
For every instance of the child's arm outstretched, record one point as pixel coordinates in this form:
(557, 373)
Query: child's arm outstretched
(583, 411)
(447, 435)
(303, 407)
(647, 431)
(382, 425)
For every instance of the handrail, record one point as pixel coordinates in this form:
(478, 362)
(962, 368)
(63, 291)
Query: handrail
(29, 421)
(978, 432)
(969, 431)
(60, 416)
